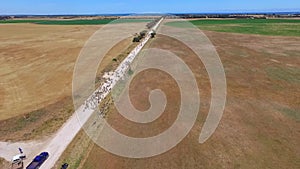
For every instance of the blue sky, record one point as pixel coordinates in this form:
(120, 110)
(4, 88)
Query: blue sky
(141, 6)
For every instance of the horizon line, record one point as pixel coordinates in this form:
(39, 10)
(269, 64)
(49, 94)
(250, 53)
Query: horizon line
(143, 13)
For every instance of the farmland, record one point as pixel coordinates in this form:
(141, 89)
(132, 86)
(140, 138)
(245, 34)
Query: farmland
(36, 78)
(259, 128)
(259, 125)
(272, 27)
(75, 22)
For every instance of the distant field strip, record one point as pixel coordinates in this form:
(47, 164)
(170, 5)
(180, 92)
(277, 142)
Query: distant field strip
(75, 22)
(276, 27)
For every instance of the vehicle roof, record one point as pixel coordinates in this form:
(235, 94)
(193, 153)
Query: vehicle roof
(38, 158)
(44, 154)
(16, 157)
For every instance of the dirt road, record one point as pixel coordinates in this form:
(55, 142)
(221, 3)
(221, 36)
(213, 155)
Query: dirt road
(68, 132)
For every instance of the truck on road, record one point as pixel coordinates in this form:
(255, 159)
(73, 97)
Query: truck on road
(38, 161)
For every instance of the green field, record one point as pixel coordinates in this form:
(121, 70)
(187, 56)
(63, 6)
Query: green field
(75, 22)
(276, 27)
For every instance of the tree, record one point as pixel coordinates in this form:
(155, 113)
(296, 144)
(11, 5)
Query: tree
(153, 34)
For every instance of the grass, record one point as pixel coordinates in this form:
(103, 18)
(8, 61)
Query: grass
(32, 118)
(38, 123)
(294, 114)
(60, 22)
(290, 75)
(118, 88)
(75, 22)
(243, 21)
(4, 163)
(132, 20)
(76, 151)
(19, 21)
(272, 27)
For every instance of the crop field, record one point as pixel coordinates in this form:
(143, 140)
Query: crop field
(276, 27)
(36, 72)
(37, 63)
(75, 22)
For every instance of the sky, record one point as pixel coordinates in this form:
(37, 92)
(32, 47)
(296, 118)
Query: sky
(143, 6)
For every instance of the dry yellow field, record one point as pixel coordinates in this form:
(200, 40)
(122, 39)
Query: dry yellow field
(260, 124)
(37, 62)
(36, 69)
(36, 65)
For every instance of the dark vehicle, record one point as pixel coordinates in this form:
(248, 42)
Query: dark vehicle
(64, 166)
(38, 161)
(137, 39)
